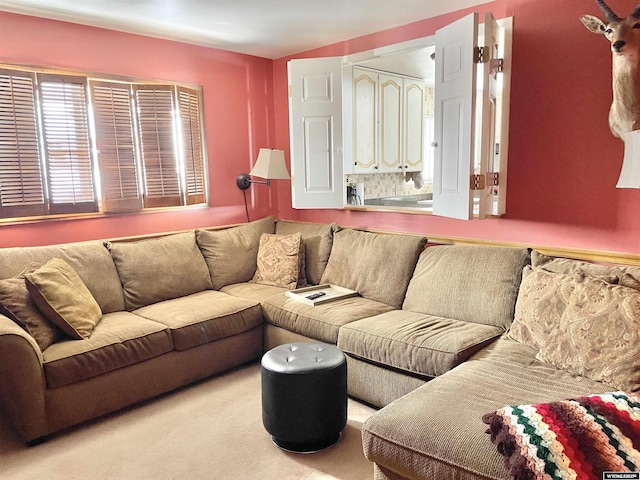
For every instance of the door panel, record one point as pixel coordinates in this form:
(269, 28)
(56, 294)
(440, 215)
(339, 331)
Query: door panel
(315, 122)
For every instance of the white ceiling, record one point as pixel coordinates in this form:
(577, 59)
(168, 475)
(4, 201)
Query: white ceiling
(265, 28)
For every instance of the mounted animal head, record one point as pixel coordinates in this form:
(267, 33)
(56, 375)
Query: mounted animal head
(623, 33)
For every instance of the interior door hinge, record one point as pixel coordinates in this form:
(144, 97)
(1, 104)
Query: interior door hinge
(477, 182)
(289, 90)
(496, 65)
(480, 55)
(493, 179)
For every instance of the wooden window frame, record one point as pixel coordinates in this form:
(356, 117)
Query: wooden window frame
(137, 151)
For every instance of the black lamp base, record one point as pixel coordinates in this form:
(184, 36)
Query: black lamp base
(243, 181)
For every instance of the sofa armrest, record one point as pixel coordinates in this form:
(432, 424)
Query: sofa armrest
(22, 382)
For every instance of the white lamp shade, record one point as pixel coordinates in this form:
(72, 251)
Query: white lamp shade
(270, 165)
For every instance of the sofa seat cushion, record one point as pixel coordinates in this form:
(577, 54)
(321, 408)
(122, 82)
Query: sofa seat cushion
(204, 317)
(436, 431)
(119, 339)
(252, 291)
(413, 342)
(321, 322)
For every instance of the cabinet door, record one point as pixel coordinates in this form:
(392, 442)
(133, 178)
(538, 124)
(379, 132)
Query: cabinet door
(365, 121)
(315, 122)
(413, 152)
(390, 123)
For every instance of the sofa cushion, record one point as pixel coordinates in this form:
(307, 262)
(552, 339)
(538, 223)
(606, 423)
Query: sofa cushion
(119, 339)
(413, 342)
(252, 291)
(471, 283)
(160, 269)
(598, 335)
(91, 261)
(61, 295)
(317, 240)
(231, 254)
(204, 317)
(280, 261)
(320, 322)
(542, 300)
(358, 258)
(17, 304)
(436, 431)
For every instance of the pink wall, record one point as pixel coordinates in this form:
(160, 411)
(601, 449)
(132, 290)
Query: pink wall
(238, 104)
(563, 162)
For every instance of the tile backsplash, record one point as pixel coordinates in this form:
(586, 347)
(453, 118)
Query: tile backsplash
(378, 185)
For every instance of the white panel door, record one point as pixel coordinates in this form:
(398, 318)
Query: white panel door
(455, 82)
(315, 123)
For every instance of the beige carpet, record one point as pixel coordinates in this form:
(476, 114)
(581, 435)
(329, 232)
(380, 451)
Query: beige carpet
(211, 430)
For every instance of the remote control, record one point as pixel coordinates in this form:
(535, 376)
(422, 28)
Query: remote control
(313, 296)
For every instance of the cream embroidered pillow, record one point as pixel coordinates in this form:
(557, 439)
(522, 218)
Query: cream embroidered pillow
(280, 260)
(599, 334)
(542, 300)
(63, 297)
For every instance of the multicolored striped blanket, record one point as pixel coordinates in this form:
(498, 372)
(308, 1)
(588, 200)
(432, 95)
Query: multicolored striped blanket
(580, 438)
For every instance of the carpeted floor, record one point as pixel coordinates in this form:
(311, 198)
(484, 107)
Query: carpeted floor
(211, 430)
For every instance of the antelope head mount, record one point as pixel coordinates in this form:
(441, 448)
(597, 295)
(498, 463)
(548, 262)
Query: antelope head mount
(624, 35)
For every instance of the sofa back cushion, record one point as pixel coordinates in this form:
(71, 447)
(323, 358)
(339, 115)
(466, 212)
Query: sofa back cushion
(232, 254)
(160, 269)
(90, 260)
(317, 240)
(470, 283)
(377, 266)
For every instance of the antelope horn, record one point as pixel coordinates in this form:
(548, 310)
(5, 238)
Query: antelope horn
(636, 12)
(611, 17)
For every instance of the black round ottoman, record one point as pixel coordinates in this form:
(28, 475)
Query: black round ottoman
(304, 395)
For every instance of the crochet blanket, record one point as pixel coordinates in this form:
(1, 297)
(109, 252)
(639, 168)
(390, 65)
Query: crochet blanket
(578, 438)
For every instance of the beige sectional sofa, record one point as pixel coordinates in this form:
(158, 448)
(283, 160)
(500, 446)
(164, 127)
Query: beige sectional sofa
(427, 339)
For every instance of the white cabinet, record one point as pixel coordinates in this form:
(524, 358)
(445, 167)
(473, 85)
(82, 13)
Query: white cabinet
(365, 121)
(388, 113)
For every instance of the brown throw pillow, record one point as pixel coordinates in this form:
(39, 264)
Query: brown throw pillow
(16, 303)
(279, 260)
(599, 334)
(61, 295)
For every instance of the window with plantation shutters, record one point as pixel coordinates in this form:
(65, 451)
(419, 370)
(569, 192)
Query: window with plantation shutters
(65, 127)
(72, 144)
(158, 145)
(113, 117)
(21, 186)
(191, 140)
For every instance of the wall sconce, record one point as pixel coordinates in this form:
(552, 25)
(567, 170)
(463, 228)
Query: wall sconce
(269, 165)
(630, 173)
